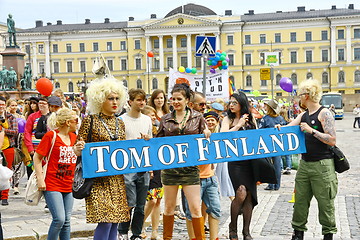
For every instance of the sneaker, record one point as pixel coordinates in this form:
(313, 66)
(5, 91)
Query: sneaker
(287, 171)
(269, 188)
(180, 215)
(46, 209)
(123, 237)
(4, 202)
(16, 191)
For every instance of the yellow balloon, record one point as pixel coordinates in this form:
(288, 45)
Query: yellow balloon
(181, 69)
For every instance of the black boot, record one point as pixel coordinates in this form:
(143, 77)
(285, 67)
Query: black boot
(297, 235)
(328, 236)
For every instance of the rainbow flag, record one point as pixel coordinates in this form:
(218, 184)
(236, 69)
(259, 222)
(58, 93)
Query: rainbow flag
(232, 87)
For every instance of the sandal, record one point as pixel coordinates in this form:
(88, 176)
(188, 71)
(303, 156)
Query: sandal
(247, 236)
(233, 233)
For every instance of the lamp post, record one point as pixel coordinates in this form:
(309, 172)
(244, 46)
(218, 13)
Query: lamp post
(82, 86)
(149, 55)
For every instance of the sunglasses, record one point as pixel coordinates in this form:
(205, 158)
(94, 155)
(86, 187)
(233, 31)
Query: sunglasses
(201, 104)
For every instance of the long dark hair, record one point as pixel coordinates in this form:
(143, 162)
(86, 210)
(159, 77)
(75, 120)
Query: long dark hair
(155, 93)
(242, 99)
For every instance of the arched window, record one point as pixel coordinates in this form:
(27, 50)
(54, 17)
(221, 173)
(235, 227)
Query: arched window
(357, 76)
(248, 81)
(57, 85)
(294, 78)
(341, 77)
(278, 77)
(155, 83)
(325, 77)
(139, 83)
(70, 87)
(309, 75)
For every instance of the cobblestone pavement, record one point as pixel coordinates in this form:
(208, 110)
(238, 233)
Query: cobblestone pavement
(271, 218)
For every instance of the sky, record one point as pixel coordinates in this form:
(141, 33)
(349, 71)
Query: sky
(26, 12)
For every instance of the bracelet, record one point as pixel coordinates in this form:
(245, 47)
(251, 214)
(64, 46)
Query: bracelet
(313, 132)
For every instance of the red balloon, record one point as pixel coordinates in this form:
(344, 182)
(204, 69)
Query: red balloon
(44, 86)
(150, 54)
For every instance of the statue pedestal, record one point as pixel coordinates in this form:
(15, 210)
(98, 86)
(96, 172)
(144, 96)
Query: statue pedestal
(19, 94)
(13, 57)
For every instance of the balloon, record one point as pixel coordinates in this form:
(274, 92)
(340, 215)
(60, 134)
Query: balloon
(21, 124)
(150, 54)
(219, 63)
(224, 53)
(188, 70)
(286, 84)
(213, 62)
(217, 58)
(181, 69)
(220, 67)
(209, 62)
(212, 70)
(219, 51)
(227, 59)
(193, 70)
(222, 58)
(225, 67)
(224, 63)
(44, 86)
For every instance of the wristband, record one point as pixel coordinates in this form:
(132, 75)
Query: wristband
(313, 132)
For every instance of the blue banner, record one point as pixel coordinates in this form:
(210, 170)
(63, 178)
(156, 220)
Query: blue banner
(119, 157)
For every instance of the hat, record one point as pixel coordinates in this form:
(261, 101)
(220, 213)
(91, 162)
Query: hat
(55, 101)
(34, 99)
(211, 114)
(217, 106)
(274, 105)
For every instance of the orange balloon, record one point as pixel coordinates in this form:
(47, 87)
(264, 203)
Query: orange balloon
(150, 54)
(44, 86)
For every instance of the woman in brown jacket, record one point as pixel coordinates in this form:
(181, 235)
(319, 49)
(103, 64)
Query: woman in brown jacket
(182, 121)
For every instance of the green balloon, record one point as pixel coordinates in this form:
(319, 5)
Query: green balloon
(224, 63)
(220, 67)
(193, 70)
(224, 54)
(210, 62)
(222, 58)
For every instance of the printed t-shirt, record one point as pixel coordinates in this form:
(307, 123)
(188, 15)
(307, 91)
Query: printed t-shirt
(62, 161)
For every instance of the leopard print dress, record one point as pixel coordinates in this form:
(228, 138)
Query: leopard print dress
(107, 202)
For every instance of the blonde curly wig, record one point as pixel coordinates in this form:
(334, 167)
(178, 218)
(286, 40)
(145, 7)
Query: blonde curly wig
(311, 87)
(100, 88)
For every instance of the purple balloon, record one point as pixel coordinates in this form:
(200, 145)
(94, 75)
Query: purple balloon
(286, 84)
(21, 124)
(212, 70)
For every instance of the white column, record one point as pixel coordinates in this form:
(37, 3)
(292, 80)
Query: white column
(188, 46)
(333, 45)
(34, 60)
(348, 44)
(217, 41)
(161, 53)
(175, 64)
(47, 59)
(147, 40)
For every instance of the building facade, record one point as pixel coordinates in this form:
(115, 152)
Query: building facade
(322, 44)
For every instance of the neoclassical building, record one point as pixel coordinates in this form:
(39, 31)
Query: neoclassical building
(322, 44)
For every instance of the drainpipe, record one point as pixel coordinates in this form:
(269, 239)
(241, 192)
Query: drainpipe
(329, 66)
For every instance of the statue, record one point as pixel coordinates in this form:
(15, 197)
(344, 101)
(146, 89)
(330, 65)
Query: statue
(26, 81)
(4, 78)
(12, 78)
(11, 30)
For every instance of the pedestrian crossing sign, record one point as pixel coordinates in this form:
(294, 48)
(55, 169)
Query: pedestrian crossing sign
(205, 45)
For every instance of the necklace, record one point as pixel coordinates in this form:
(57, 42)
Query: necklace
(183, 121)
(116, 135)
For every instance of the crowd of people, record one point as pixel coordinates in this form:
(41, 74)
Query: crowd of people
(58, 128)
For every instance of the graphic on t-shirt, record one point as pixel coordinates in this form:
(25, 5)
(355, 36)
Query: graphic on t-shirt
(67, 157)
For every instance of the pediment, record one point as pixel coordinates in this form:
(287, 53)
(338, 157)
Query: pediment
(181, 20)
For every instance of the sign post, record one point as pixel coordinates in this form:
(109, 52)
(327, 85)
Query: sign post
(272, 60)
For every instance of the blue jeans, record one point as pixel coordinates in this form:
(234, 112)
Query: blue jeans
(287, 161)
(277, 164)
(60, 206)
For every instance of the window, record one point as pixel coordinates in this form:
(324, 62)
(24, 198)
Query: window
(308, 56)
(262, 58)
(138, 63)
(248, 59)
(125, 82)
(357, 33)
(308, 36)
(198, 62)
(182, 42)
(248, 81)
(82, 47)
(28, 49)
(170, 62)
(262, 38)
(109, 46)
(55, 48)
(110, 64)
(325, 78)
(277, 37)
(293, 37)
(230, 40)
(56, 67)
(139, 83)
(294, 78)
(82, 66)
(137, 44)
(156, 43)
(57, 85)
(278, 77)
(357, 76)
(309, 75)
(183, 61)
(123, 65)
(279, 94)
(41, 67)
(341, 34)
(263, 83)
(293, 57)
(41, 48)
(69, 67)
(247, 39)
(357, 91)
(95, 46)
(68, 47)
(341, 77)
(356, 53)
(155, 83)
(70, 87)
(279, 57)
(169, 43)
(341, 91)
(231, 59)
(122, 45)
(325, 55)
(156, 63)
(341, 56)
(324, 35)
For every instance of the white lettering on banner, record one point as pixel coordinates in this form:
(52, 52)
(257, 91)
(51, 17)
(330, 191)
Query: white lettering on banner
(245, 149)
(203, 148)
(217, 149)
(296, 139)
(161, 154)
(233, 148)
(262, 146)
(100, 156)
(114, 157)
(182, 152)
(279, 142)
(134, 155)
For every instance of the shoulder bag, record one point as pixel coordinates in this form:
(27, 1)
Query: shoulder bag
(81, 187)
(264, 170)
(32, 193)
(340, 161)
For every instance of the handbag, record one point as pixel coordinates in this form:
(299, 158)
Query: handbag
(81, 187)
(340, 161)
(32, 193)
(5, 175)
(264, 170)
(18, 156)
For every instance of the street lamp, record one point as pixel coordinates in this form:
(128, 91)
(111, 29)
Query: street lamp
(149, 55)
(82, 86)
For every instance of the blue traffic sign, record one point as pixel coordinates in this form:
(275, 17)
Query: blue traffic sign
(205, 45)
